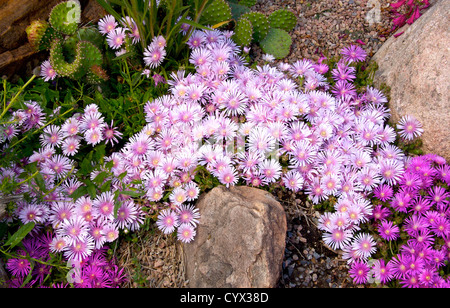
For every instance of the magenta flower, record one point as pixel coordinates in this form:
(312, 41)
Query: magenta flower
(359, 271)
(388, 230)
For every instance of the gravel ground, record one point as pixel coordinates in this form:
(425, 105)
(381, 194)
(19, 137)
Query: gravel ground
(324, 27)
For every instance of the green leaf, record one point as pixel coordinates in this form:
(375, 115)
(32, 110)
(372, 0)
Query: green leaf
(100, 177)
(92, 191)
(29, 276)
(17, 237)
(80, 191)
(134, 194)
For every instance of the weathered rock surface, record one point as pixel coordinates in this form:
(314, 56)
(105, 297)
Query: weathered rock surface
(240, 240)
(15, 16)
(416, 67)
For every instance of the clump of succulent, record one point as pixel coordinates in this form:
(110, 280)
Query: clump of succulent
(74, 50)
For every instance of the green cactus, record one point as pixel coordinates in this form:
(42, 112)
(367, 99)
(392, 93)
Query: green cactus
(216, 12)
(243, 32)
(59, 62)
(247, 3)
(74, 52)
(65, 17)
(35, 32)
(92, 35)
(96, 74)
(237, 10)
(260, 25)
(283, 19)
(76, 65)
(277, 43)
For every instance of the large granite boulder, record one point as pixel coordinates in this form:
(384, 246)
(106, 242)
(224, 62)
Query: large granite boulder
(416, 67)
(240, 240)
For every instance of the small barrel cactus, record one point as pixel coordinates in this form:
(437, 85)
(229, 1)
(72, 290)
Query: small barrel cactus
(283, 19)
(35, 32)
(277, 43)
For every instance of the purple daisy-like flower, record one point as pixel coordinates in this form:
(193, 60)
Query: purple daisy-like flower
(19, 267)
(80, 249)
(337, 238)
(409, 128)
(383, 192)
(188, 214)
(47, 71)
(129, 216)
(353, 53)
(51, 136)
(37, 213)
(93, 136)
(111, 134)
(186, 233)
(153, 56)
(391, 171)
(381, 271)
(359, 271)
(107, 24)
(167, 221)
(116, 38)
(364, 245)
(70, 145)
(388, 230)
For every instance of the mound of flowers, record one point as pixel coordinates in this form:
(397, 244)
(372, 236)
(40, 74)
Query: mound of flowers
(303, 126)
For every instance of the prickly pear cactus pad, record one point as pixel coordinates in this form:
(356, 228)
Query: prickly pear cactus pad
(283, 19)
(277, 43)
(216, 12)
(65, 17)
(243, 32)
(59, 62)
(260, 25)
(247, 3)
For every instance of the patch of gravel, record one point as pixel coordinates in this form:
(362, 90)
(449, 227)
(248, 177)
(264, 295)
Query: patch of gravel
(325, 27)
(308, 262)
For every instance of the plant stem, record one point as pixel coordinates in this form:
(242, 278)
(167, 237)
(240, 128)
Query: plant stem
(11, 103)
(29, 178)
(11, 255)
(41, 128)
